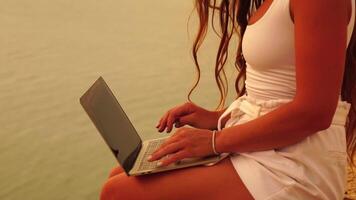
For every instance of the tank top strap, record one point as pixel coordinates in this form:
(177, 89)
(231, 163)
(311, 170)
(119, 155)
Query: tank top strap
(284, 7)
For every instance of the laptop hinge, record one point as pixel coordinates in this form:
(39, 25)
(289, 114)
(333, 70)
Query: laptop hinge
(131, 159)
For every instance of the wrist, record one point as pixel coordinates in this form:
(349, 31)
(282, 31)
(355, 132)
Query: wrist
(213, 142)
(218, 113)
(211, 119)
(220, 145)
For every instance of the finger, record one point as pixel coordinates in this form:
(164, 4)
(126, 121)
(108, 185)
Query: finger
(180, 155)
(176, 113)
(170, 121)
(163, 123)
(181, 110)
(176, 137)
(169, 141)
(177, 123)
(169, 149)
(159, 122)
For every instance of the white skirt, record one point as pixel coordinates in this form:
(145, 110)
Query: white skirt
(314, 168)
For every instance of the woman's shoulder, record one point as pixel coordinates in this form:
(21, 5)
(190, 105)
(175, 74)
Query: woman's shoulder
(348, 4)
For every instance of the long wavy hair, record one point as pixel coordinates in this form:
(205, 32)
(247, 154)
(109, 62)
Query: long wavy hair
(233, 18)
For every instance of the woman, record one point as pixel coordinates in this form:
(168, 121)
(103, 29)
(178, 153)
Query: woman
(286, 130)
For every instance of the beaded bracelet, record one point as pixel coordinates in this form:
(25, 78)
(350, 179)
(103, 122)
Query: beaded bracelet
(213, 142)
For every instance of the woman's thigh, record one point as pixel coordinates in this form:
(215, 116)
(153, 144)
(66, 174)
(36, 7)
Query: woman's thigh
(215, 182)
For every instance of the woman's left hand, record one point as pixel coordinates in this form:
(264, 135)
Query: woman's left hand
(185, 143)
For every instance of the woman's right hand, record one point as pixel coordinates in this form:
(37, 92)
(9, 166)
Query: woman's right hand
(189, 114)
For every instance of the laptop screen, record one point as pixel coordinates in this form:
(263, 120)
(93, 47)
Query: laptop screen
(112, 123)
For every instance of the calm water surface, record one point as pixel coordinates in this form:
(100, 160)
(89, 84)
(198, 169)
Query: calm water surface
(52, 51)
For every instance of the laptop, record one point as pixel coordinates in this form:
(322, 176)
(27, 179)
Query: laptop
(122, 138)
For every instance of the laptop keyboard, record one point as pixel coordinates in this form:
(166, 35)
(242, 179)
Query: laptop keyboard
(152, 146)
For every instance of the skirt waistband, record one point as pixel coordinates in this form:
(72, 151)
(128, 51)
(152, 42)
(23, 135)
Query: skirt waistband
(256, 107)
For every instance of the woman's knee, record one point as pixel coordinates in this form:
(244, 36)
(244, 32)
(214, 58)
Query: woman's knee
(115, 171)
(107, 191)
(121, 187)
(112, 189)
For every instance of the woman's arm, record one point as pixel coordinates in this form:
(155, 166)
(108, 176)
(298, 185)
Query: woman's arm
(320, 48)
(281, 127)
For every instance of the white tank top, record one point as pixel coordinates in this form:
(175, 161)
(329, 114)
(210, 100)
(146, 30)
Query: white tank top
(268, 48)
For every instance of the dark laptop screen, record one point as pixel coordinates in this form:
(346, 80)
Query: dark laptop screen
(112, 123)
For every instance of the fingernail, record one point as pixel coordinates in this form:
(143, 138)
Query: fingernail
(159, 163)
(149, 158)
